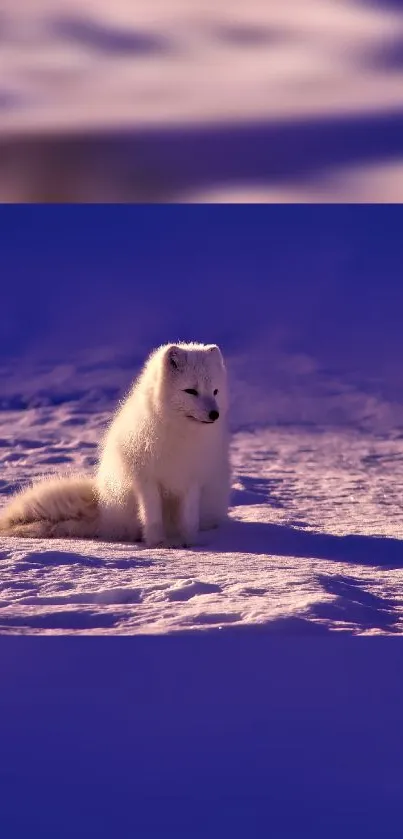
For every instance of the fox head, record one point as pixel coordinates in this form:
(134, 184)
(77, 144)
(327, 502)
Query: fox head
(193, 382)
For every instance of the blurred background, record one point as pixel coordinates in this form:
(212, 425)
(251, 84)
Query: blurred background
(202, 101)
(305, 301)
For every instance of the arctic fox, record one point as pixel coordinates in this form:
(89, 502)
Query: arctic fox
(163, 472)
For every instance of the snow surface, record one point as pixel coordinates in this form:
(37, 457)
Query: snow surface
(313, 542)
(228, 101)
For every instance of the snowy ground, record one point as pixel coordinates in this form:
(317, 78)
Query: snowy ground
(313, 544)
(228, 101)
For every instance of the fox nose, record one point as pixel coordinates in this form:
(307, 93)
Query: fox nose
(213, 415)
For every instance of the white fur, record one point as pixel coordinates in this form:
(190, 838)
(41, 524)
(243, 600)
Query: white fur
(163, 474)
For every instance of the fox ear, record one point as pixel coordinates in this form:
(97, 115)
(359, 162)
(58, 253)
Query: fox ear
(215, 350)
(176, 357)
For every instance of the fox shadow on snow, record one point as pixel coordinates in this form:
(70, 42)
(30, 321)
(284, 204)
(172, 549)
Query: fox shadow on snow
(285, 540)
(282, 540)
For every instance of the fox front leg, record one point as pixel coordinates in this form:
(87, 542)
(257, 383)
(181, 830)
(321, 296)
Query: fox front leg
(150, 505)
(188, 517)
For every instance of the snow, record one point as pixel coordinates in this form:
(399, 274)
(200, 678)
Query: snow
(298, 101)
(315, 521)
(313, 544)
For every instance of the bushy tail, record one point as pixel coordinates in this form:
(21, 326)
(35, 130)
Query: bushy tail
(64, 506)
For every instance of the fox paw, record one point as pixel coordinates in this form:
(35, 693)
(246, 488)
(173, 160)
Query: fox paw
(183, 540)
(154, 537)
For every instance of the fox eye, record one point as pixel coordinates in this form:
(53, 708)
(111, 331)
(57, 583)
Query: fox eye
(215, 392)
(192, 391)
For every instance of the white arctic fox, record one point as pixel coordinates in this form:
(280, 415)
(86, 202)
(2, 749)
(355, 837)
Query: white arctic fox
(163, 473)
